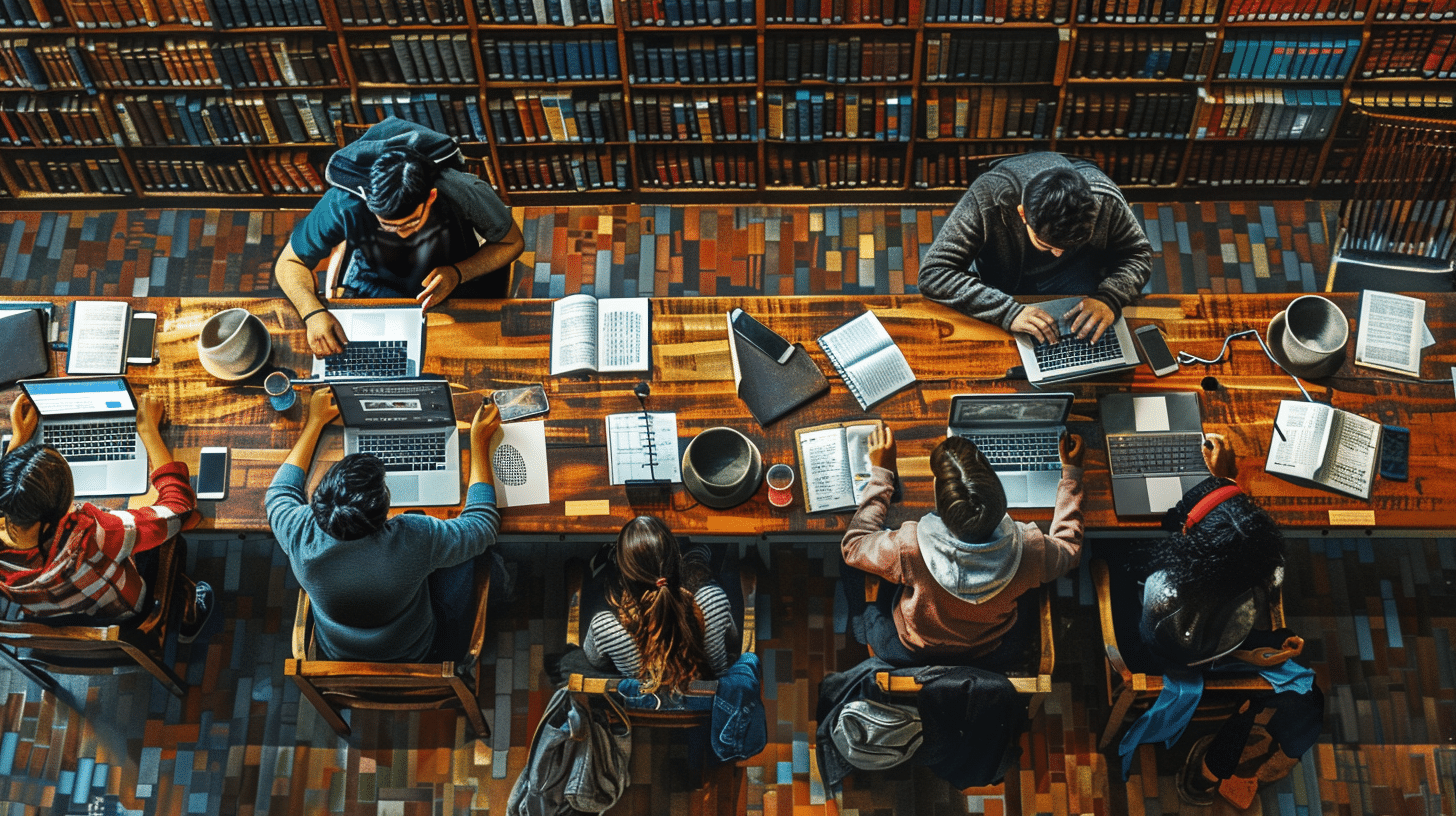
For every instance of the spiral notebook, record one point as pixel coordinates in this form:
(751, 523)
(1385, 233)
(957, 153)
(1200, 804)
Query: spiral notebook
(867, 359)
(642, 447)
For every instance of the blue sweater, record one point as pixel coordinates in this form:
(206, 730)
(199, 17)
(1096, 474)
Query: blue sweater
(370, 597)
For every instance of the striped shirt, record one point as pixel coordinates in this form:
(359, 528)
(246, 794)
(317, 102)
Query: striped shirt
(608, 645)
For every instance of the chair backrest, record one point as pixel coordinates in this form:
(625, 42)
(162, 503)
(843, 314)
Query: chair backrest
(1353, 270)
(1403, 197)
(333, 685)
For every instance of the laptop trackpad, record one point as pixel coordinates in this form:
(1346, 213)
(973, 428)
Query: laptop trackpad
(1017, 489)
(404, 488)
(89, 480)
(1163, 492)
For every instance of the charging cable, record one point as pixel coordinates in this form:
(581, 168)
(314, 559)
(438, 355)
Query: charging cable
(1187, 359)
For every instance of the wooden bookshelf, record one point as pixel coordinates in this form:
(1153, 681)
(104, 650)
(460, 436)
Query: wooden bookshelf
(163, 102)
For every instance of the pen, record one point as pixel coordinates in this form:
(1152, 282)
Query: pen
(1282, 437)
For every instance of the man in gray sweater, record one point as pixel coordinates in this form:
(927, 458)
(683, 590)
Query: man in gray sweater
(1039, 224)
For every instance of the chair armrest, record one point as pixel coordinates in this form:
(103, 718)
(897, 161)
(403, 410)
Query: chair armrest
(1276, 608)
(896, 684)
(1102, 583)
(482, 602)
(748, 583)
(164, 586)
(575, 578)
(300, 627)
(1048, 660)
(592, 684)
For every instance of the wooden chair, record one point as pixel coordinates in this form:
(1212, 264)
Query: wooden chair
(36, 648)
(1130, 690)
(333, 685)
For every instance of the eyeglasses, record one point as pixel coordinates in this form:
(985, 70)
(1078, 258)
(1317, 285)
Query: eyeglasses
(411, 223)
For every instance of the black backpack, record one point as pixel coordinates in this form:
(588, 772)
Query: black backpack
(348, 168)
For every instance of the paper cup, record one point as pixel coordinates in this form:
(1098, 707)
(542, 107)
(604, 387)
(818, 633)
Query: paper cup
(780, 479)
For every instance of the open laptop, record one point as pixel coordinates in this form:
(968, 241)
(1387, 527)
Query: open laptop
(1154, 449)
(387, 341)
(92, 422)
(410, 424)
(1019, 433)
(1071, 358)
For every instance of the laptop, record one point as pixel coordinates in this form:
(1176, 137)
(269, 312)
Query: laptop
(1019, 434)
(386, 341)
(1072, 358)
(92, 422)
(410, 424)
(1154, 449)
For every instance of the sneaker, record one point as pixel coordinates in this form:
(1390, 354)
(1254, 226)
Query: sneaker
(1193, 788)
(189, 632)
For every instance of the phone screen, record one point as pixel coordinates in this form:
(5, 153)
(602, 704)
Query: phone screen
(212, 473)
(761, 336)
(1155, 348)
(141, 346)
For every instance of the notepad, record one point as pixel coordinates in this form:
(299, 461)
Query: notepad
(867, 359)
(97, 343)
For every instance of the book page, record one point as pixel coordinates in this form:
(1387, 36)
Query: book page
(622, 334)
(827, 483)
(1354, 445)
(879, 375)
(1300, 433)
(574, 334)
(855, 340)
(857, 450)
(98, 337)
(1390, 334)
(643, 446)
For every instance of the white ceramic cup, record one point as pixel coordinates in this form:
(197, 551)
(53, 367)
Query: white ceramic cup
(1315, 330)
(233, 344)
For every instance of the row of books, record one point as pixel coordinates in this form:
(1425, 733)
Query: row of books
(88, 64)
(1150, 164)
(242, 119)
(1012, 56)
(1267, 113)
(28, 120)
(91, 175)
(988, 113)
(1410, 52)
(294, 61)
(882, 114)
(152, 13)
(595, 168)
(1213, 165)
(698, 116)
(694, 60)
(837, 168)
(546, 12)
(1149, 11)
(558, 116)
(952, 166)
(457, 114)
(196, 176)
(1129, 53)
(1136, 115)
(290, 173)
(1291, 10)
(582, 58)
(1414, 9)
(668, 168)
(690, 12)
(415, 59)
(997, 11)
(1411, 102)
(837, 59)
(396, 12)
(817, 12)
(1307, 55)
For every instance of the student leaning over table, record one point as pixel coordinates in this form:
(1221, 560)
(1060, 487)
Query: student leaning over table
(960, 570)
(382, 589)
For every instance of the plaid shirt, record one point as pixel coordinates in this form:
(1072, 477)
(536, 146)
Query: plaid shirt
(86, 567)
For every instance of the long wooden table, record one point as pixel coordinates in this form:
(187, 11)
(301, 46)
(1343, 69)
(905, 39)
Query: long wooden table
(485, 345)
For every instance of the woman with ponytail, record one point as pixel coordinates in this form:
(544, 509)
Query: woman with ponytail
(960, 570)
(667, 622)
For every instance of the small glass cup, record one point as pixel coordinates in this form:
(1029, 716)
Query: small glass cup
(279, 388)
(780, 479)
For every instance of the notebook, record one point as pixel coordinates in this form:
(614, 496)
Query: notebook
(1019, 434)
(92, 422)
(410, 424)
(1154, 449)
(1071, 358)
(383, 342)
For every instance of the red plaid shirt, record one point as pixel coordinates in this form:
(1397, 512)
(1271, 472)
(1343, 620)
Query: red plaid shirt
(86, 567)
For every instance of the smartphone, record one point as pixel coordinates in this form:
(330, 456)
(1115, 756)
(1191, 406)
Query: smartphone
(519, 403)
(141, 345)
(761, 336)
(1155, 350)
(1394, 452)
(212, 473)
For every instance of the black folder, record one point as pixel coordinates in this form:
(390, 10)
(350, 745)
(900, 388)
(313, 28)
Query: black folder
(22, 335)
(771, 390)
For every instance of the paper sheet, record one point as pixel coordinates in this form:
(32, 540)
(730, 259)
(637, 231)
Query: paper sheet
(518, 462)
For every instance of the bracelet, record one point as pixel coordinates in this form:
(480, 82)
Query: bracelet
(459, 277)
(314, 312)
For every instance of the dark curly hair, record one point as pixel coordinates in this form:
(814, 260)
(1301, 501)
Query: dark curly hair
(35, 486)
(968, 494)
(399, 182)
(1235, 548)
(1059, 207)
(352, 500)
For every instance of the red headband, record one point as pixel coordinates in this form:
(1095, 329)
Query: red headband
(1207, 503)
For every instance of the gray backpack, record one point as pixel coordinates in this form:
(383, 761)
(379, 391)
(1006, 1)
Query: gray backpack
(578, 760)
(872, 736)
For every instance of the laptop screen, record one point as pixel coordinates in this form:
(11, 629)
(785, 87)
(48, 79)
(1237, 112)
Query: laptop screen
(394, 403)
(981, 409)
(73, 396)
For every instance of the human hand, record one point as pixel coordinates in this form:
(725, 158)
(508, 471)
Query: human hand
(1218, 454)
(882, 447)
(1036, 322)
(24, 419)
(325, 335)
(1072, 451)
(441, 281)
(321, 407)
(150, 412)
(487, 421)
(1092, 318)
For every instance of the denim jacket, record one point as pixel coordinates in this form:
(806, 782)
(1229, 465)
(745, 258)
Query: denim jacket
(740, 726)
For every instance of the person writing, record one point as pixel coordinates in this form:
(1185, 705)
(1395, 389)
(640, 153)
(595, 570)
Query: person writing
(958, 572)
(410, 230)
(382, 589)
(62, 558)
(1039, 224)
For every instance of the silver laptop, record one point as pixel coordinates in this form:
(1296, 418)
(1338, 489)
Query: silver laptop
(410, 424)
(387, 341)
(1154, 449)
(1019, 434)
(1072, 358)
(92, 422)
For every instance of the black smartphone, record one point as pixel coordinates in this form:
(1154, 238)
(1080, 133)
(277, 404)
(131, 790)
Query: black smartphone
(141, 344)
(1394, 452)
(212, 474)
(1155, 350)
(761, 336)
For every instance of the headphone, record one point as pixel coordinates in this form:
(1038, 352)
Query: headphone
(1207, 503)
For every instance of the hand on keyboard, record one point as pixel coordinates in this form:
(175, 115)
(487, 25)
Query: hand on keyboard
(1218, 454)
(1035, 322)
(1072, 450)
(1092, 318)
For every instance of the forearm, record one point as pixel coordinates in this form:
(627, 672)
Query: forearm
(302, 454)
(866, 544)
(494, 255)
(158, 454)
(297, 282)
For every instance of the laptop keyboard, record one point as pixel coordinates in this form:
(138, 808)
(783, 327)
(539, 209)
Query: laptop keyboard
(1128, 455)
(370, 358)
(109, 441)
(407, 452)
(1072, 352)
(1029, 450)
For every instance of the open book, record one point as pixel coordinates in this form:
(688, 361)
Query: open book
(610, 334)
(97, 343)
(834, 461)
(1391, 330)
(1324, 446)
(867, 359)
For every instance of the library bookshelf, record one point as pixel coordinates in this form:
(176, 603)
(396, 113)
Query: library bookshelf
(107, 103)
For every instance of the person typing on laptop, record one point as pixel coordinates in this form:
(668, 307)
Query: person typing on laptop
(62, 558)
(1039, 224)
(959, 571)
(382, 589)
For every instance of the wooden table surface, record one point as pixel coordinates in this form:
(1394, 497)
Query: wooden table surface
(485, 345)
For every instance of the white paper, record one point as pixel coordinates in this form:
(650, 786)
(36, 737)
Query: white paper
(643, 446)
(518, 462)
(1150, 414)
(98, 337)
(1389, 337)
